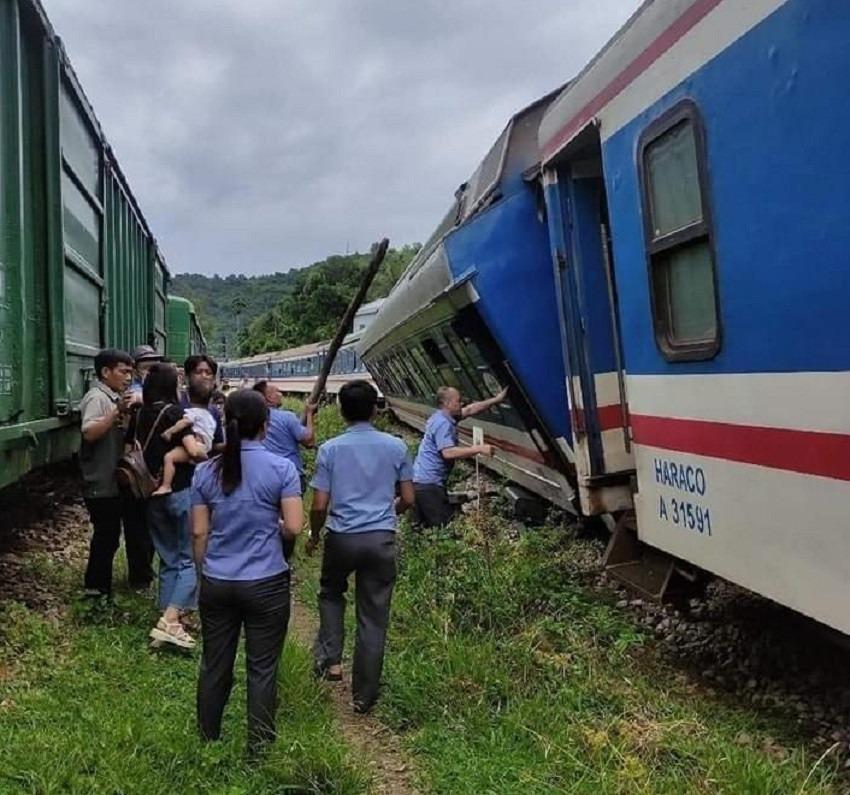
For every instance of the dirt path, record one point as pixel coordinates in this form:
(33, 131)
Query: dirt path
(378, 745)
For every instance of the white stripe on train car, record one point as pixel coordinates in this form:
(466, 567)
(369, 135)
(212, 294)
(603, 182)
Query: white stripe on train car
(723, 517)
(801, 401)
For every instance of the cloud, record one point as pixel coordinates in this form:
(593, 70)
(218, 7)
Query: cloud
(264, 134)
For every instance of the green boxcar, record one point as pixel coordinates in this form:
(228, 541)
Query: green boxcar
(184, 333)
(79, 268)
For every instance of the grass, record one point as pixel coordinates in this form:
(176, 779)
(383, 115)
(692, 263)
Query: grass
(509, 677)
(505, 674)
(87, 709)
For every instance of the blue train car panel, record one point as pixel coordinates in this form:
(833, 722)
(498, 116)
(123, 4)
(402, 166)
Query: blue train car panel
(475, 310)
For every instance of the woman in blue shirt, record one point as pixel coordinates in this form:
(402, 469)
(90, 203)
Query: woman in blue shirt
(239, 499)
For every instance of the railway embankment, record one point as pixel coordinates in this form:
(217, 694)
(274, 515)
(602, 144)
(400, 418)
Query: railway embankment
(513, 666)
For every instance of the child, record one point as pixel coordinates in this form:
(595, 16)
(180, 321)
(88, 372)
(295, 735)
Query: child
(203, 427)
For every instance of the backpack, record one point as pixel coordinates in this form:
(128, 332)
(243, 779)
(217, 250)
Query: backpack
(132, 472)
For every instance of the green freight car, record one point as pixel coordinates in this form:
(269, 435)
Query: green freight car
(79, 267)
(184, 333)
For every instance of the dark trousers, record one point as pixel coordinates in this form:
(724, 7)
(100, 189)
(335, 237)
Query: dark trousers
(372, 558)
(432, 508)
(262, 607)
(107, 516)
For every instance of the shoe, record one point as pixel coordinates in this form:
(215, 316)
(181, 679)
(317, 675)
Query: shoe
(173, 634)
(322, 672)
(360, 708)
(95, 593)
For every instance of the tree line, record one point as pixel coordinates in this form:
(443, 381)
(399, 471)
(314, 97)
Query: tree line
(243, 315)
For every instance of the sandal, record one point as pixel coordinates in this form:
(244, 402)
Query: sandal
(175, 634)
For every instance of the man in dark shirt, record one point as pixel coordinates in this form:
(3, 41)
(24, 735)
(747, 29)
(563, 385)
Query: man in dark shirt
(200, 371)
(103, 413)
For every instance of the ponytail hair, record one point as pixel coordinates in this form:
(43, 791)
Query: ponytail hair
(246, 414)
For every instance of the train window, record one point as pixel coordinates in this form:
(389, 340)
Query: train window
(393, 376)
(404, 375)
(384, 379)
(434, 352)
(425, 369)
(423, 391)
(678, 232)
(463, 364)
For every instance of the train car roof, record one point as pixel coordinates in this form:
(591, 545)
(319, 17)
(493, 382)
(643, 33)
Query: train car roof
(179, 299)
(514, 154)
(298, 352)
(640, 43)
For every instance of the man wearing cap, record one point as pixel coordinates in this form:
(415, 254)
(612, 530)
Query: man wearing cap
(143, 357)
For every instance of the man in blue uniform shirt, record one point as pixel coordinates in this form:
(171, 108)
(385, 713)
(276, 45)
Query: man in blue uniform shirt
(285, 434)
(438, 451)
(354, 497)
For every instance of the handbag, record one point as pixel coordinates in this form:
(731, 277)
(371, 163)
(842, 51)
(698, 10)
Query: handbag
(132, 472)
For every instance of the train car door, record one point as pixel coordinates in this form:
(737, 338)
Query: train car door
(590, 332)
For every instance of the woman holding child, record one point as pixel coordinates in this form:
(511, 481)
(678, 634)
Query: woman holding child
(168, 513)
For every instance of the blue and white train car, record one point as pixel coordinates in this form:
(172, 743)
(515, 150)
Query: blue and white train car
(294, 371)
(476, 310)
(696, 177)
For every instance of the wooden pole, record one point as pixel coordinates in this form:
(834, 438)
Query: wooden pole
(380, 251)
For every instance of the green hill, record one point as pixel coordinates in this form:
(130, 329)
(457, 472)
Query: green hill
(242, 315)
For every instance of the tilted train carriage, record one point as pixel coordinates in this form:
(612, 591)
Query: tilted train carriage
(79, 267)
(476, 310)
(694, 305)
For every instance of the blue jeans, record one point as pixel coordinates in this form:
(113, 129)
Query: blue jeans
(168, 522)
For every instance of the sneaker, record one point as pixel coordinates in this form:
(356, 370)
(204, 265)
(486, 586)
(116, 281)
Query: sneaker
(95, 593)
(174, 634)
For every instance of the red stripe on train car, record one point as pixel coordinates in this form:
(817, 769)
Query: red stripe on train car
(807, 452)
(672, 34)
(608, 418)
(497, 441)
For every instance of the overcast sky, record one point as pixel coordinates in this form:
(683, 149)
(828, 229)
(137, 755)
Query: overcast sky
(259, 135)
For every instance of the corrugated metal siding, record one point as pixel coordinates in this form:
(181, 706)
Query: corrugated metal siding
(130, 270)
(178, 346)
(79, 268)
(82, 217)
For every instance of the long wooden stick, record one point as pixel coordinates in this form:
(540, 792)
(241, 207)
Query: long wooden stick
(374, 265)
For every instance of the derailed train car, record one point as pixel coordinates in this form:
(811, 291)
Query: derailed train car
(696, 206)
(79, 267)
(699, 164)
(476, 310)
